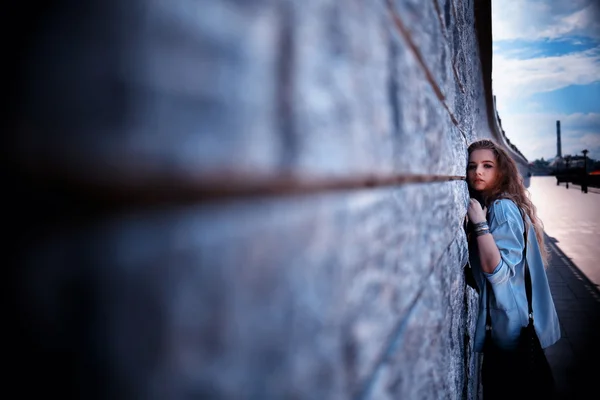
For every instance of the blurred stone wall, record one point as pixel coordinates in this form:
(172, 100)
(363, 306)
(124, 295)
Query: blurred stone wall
(243, 199)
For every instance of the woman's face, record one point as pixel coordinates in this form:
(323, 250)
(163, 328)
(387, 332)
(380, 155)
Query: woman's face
(482, 170)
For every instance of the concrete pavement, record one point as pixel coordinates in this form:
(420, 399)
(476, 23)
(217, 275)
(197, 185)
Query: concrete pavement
(574, 358)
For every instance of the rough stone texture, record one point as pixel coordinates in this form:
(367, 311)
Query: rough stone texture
(145, 278)
(316, 88)
(304, 297)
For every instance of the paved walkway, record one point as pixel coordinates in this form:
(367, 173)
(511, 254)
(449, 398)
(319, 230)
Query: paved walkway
(573, 218)
(574, 358)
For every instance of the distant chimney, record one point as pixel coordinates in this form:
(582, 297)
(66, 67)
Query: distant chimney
(558, 147)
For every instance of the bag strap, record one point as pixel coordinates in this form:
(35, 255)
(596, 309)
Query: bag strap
(528, 287)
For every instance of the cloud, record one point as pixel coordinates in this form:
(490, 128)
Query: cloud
(534, 134)
(541, 48)
(519, 78)
(591, 141)
(523, 49)
(534, 106)
(584, 21)
(543, 19)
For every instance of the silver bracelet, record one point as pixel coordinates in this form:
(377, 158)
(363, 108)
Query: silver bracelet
(482, 232)
(483, 224)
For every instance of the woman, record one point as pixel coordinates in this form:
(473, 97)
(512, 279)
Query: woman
(496, 246)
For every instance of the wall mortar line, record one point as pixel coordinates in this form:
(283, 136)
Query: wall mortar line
(406, 35)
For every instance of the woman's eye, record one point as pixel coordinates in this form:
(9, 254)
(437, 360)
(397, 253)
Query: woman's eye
(488, 166)
(471, 167)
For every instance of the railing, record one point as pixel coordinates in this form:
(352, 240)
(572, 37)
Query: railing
(576, 176)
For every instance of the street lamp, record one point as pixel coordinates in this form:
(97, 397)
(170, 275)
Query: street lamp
(567, 160)
(584, 187)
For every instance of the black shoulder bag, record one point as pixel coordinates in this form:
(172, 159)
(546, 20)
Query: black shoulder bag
(524, 371)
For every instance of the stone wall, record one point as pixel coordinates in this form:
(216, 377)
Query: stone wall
(244, 200)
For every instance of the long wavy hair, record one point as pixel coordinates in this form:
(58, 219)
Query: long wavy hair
(509, 185)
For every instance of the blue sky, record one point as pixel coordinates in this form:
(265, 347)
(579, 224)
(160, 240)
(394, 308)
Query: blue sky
(546, 67)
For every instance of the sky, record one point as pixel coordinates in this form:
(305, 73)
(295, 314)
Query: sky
(546, 67)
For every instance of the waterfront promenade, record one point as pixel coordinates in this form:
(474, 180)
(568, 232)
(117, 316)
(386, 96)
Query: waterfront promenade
(572, 226)
(572, 218)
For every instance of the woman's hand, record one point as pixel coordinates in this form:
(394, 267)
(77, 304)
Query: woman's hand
(489, 255)
(475, 212)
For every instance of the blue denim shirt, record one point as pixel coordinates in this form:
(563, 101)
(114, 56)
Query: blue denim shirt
(508, 301)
